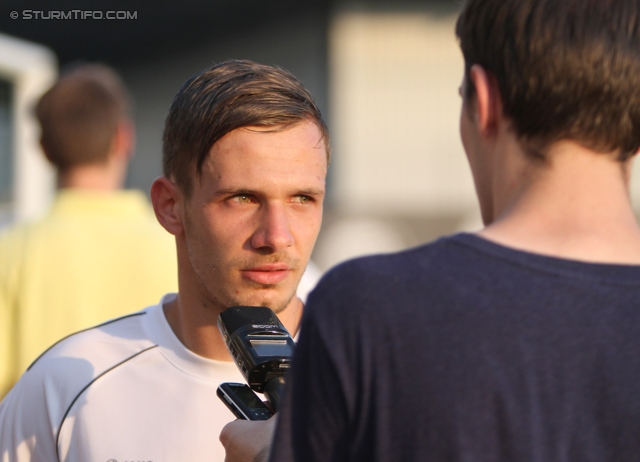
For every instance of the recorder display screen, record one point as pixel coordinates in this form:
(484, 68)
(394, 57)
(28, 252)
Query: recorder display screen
(271, 347)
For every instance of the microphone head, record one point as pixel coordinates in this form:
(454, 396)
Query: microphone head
(259, 344)
(235, 317)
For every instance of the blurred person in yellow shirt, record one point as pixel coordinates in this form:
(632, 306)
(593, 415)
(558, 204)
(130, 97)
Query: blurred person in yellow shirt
(99, 252)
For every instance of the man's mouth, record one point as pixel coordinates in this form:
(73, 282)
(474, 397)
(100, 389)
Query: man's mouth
(268, 273)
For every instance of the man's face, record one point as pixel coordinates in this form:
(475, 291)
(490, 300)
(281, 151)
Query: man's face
(253, 218)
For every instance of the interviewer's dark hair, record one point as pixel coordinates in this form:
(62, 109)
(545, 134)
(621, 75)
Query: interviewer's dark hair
(79, 115)
(230, 95)
(566, 69)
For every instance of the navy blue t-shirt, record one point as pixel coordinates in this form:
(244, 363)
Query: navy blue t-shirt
(465, 350)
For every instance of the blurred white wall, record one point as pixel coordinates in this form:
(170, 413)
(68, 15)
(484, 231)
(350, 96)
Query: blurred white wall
(31, 70)
(394, 102)
(395, 105)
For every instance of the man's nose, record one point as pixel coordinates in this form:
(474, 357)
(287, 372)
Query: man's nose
(274, 230)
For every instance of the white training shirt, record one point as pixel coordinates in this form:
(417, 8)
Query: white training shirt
(124, 391)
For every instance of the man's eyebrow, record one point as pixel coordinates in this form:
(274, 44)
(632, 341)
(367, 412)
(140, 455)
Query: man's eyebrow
(311, 191)
(239, 190)
(232, 191)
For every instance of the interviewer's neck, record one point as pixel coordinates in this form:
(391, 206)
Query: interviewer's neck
(575, 207)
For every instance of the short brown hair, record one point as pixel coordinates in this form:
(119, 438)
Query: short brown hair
(566, 69)
(79, 115)
(227, 96)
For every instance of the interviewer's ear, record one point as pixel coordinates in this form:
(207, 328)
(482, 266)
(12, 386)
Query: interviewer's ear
(167, 203)
(488, 105)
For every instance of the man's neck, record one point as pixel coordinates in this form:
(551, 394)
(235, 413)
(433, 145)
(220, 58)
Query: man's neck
(198, 329)
(575, 207)
(97, 177)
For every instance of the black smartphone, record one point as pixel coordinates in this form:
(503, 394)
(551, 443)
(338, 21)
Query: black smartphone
(243, 401)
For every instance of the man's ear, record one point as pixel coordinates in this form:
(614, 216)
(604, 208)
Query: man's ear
(167, 202)
(124, 140)
(487, 111)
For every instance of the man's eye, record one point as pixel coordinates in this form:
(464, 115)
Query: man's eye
(302, 199)
(243, 198)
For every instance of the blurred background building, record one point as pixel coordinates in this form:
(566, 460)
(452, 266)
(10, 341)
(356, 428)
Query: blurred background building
(385, 73)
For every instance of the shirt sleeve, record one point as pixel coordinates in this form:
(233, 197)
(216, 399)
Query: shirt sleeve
(26, 429)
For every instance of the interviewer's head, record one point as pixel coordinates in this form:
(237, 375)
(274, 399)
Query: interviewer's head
(565, 69)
